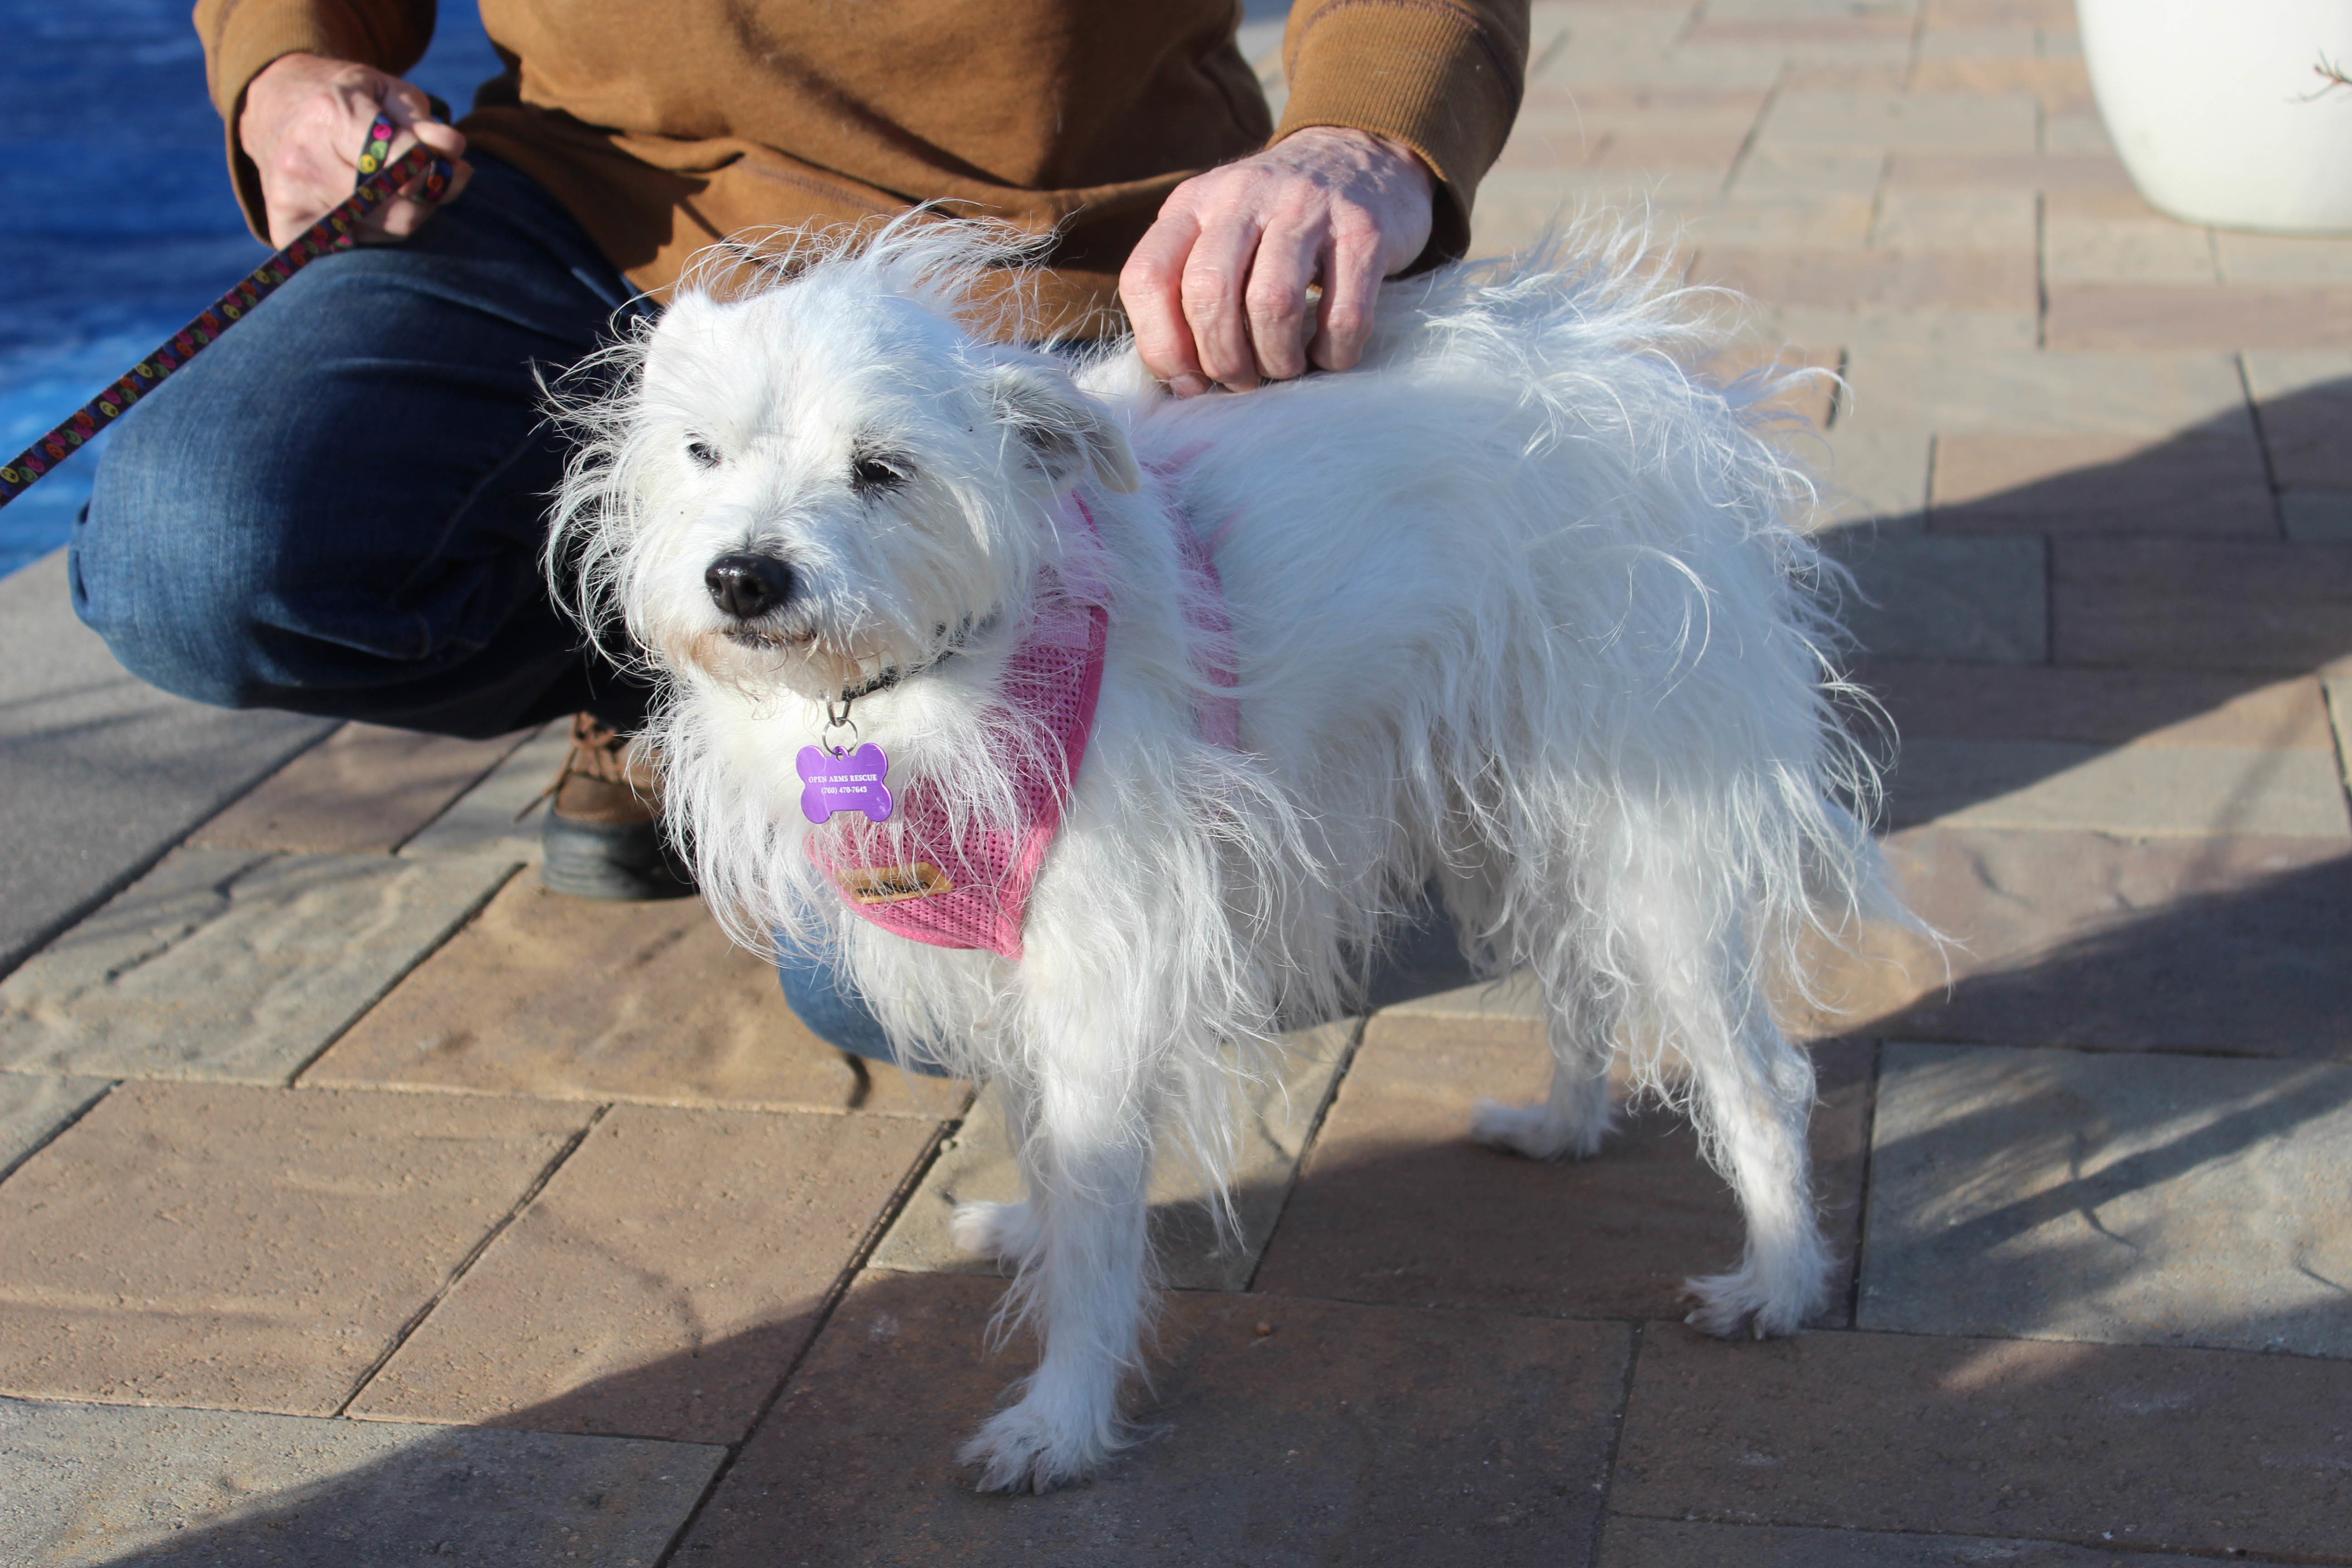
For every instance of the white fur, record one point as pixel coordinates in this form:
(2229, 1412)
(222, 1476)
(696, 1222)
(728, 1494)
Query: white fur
(1518, 610)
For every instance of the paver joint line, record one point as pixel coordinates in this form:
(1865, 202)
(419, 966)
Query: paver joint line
(2099, 1544)
(455, 801)
(1861, 1195)
(1607, 1484)
(2261, 439)
(833, 1295)
(529, 1195)
(233, 802)
(1755, 128)
(2338, 694)
(1307, 1141)
(64, 1126)
(653, 1102)
(481, 901)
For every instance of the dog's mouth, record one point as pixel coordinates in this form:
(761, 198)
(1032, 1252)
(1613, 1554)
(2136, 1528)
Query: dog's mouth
(794, 658)
(767, 640)
(787, 641)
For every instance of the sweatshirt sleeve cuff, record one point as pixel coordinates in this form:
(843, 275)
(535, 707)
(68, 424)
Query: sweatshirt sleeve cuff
(1442, 77)
(241, 42)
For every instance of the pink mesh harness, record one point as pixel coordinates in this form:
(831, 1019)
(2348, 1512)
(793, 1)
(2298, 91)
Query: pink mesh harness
(971, 890)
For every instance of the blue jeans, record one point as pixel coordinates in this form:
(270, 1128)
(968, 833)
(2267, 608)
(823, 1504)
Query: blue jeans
(1420, 959)
(820, 992)
(338, 508)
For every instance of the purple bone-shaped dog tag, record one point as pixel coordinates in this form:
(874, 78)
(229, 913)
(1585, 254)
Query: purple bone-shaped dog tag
(845, 781)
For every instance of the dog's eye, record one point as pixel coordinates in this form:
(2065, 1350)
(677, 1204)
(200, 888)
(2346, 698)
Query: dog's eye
(868, 472)
(703, 453)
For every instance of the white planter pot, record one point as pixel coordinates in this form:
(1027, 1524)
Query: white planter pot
(2211, 104)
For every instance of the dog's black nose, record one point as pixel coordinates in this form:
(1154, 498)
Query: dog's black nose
(748, 586)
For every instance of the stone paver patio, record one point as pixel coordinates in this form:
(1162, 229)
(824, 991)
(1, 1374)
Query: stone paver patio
(361, 1202)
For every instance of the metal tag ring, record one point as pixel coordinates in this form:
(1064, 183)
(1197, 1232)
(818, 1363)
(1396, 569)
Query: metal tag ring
(836, 720)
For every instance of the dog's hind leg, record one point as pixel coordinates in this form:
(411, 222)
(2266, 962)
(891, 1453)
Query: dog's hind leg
(1669, 971)
(1010, 1232)
(1580, 1024)
(1001, 1233)
(1084, 1284)
(1576, 1114)
(1752, 1097)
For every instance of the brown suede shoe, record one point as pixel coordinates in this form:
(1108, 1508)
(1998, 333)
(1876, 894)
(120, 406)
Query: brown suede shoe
(603, 834)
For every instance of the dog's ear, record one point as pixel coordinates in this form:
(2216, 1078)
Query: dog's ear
(1063, 429)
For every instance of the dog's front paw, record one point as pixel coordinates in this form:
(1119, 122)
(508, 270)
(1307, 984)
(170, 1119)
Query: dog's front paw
(1003, 1233)
(1539, 1132)
(1025, 1449)
(1734, 1306)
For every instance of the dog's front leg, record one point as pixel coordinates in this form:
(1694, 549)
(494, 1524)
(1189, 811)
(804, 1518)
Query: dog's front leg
(1084, 1149)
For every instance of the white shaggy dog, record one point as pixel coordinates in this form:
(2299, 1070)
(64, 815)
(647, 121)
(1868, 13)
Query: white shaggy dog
(1517, 609)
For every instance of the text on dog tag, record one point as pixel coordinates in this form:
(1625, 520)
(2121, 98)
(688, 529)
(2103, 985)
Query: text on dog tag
(840, 780)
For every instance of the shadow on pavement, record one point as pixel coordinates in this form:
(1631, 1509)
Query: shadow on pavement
(857, 1463)
(2261, 970)
(2173, 583)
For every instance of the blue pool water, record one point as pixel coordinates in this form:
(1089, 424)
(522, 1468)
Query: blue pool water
(116, 219)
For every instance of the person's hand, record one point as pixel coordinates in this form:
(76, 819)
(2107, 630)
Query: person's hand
(306, 119)
(1217, 290)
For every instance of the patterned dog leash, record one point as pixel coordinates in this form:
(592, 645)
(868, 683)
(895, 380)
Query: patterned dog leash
(336, 231)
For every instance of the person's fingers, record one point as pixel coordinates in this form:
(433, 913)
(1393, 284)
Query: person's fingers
(1216, 274)
(411, 113)
(359, 95)
(449, 143)
(1275, 299)
(290, 178)
(444, 138)
(409, 211)
(1219, 288)
(318, 145)
(460, 173)
(399, 219)
(1352, 284)
(1151, 287)
(405, 103)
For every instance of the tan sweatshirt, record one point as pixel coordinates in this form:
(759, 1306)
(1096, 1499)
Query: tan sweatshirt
(664, 125)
